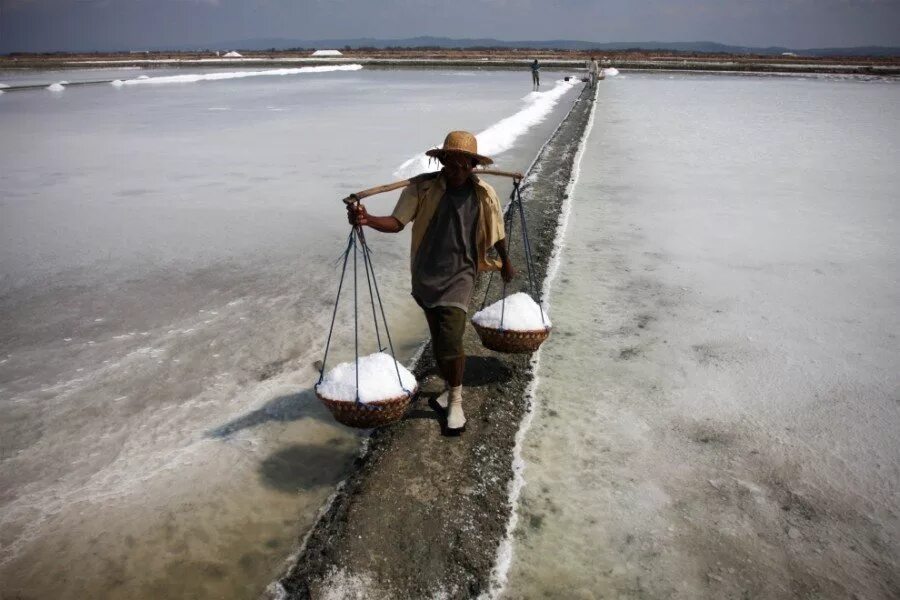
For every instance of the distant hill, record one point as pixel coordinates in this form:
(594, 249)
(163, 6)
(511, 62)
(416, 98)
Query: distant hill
(441, 42)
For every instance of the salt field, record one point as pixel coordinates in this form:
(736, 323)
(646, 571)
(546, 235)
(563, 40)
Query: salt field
(168, 264)
(716, 412)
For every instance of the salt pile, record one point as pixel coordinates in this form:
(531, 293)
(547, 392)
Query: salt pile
(610, 72)
(377, 380)
(192, 78)
(56, 87)
(502, 135)
(520, 313)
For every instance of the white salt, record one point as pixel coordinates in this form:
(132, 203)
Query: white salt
(218, 76)
(519, 313)
(610, 72)
(56, 87)
(502, 135)
(377, 380)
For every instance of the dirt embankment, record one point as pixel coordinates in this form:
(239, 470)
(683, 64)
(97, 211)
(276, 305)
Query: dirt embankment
(508, 58)
(423, 514)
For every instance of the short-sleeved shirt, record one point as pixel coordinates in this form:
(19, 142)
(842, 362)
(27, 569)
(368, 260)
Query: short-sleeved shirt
(418, 204)
(443, 272)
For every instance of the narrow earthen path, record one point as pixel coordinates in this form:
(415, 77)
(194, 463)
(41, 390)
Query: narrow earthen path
(423, 514)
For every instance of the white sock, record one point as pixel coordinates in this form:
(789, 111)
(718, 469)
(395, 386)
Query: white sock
(444, 399)
(456, 419)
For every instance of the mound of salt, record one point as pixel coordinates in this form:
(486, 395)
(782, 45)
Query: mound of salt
(520, 313)
(56, 87)
(610, 71)
(377, 380)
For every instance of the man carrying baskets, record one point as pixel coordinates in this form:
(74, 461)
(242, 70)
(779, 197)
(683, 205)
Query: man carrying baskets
(456, 219)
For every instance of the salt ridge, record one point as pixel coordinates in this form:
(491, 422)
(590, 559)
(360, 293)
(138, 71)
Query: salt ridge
(192, 78)
(500, 572)
(500, 136)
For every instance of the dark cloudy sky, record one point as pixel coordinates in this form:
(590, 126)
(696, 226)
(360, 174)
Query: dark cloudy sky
(42, 25)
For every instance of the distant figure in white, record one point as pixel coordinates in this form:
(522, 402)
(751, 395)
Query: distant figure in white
(456, 220)
(593, 71)
(535, 75)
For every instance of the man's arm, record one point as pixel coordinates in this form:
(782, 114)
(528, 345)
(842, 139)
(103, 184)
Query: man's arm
(507, 271)
(358, 215)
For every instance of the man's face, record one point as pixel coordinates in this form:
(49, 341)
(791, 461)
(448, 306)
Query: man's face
(457, 169)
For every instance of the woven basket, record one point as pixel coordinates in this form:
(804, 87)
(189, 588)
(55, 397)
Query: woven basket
(511, 342)
(369, 415)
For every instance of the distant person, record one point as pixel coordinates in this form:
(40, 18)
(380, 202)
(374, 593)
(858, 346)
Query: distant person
(535, 75)
(593, 71)
(456, 220)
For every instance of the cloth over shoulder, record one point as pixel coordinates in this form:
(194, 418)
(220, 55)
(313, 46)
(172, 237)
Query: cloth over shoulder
(419, 201)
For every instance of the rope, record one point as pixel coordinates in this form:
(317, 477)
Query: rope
(487, 290)
(516, 206)
(529, 256)
(334, 314)
(366, 261)
(509, 232)
(357, 242)
(367, 256)
(355, 315)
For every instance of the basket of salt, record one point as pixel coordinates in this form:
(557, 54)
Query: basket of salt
(379, 397)
(513, 325)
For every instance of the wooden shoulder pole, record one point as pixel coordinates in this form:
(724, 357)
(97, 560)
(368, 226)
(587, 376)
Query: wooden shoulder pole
(389, 187)
(512, 174)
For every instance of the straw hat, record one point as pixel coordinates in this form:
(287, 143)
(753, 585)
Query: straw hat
(460, 142)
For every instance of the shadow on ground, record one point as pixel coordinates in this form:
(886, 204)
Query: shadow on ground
(291, 407)
(485, 370)
(480, 370)
(302, 467)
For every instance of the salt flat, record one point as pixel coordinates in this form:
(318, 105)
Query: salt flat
(167, 270)
(716, 413)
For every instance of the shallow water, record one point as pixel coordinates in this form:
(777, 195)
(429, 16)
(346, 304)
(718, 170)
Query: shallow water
(45, 77)
(167, 270)
(717, 409)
